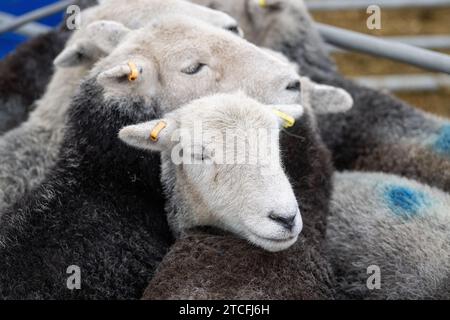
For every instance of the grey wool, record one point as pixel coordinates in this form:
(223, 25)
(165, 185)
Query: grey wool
(103, 216)
(25, 73)
(395, 225)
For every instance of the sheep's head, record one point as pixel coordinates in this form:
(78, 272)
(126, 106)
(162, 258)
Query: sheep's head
(179, 59)
(222, 167)
(95, 40)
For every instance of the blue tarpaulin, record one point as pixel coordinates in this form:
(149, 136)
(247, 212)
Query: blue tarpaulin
(9, 41)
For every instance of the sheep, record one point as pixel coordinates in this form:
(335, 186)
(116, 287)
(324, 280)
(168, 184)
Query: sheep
(397, 138)
(232, 186)
(395, 224)
(216, 266)
(23, 80)
(381, 132)
(31, 149)
(100, 207)
(25, 73)
(211, 264)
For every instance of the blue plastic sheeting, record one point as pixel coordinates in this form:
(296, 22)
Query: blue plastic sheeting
(18, 7)
(9, 42)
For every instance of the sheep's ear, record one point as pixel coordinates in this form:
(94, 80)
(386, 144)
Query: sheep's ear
(72, 56)
(327, 99)
(131, 70)
(106, 34)
(155, 135)
(287, 114)
(101, 38)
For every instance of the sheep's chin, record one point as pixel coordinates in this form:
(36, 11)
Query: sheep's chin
(270, 245)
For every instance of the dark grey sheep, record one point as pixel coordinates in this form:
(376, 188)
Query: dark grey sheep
(103, 216)
(397, 225)
(25, 73)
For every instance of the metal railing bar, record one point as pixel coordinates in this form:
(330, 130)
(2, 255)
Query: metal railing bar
(359, 42)
(29, 30)
(36, 15)
(331, 5)
(406, 83)
(438, 42)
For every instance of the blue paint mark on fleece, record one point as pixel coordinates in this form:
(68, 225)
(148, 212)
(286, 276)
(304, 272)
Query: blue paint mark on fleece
(442, 143)
(406, 202)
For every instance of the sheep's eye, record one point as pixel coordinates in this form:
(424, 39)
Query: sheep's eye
(233, 29)
(194, 69)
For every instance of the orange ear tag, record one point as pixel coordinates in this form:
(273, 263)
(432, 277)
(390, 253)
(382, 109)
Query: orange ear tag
(134, 74)
(154, 135)
(262, 3)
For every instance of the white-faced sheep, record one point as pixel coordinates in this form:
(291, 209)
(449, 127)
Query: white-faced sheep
(240, 199)
(398, 227)
(381, 133)
(28, 151)
(101, 207)
(221, 168)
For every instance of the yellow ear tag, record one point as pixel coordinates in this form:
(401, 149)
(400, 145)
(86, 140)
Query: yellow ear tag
(154, 135)
(134, 74)
(262, 3)
(288, 120)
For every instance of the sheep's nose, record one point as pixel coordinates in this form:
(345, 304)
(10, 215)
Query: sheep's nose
(287, 222)
(234, 29)
(294, 85)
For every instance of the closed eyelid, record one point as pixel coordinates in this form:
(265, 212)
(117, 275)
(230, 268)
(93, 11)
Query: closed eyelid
(194, 69)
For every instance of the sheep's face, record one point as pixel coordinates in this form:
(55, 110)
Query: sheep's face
(180, 59)
(223, 152)
(89, 44)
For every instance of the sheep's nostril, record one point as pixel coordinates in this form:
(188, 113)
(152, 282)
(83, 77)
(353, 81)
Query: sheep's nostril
(287, 222)
(233, 29)
(294, 86)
